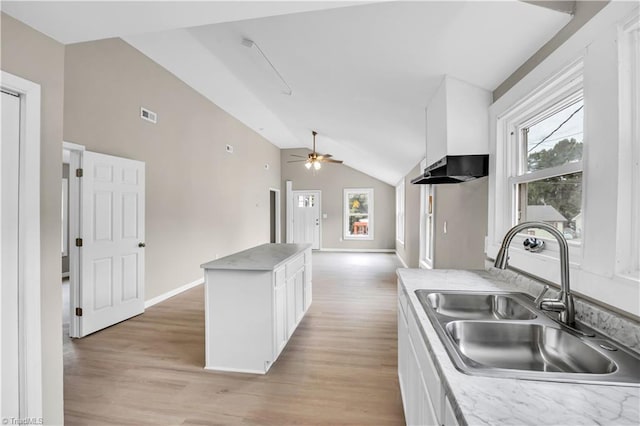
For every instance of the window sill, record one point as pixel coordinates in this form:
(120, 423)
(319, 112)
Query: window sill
(352, 238)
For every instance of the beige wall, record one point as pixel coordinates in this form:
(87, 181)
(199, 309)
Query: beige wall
(331, 180)
(200, 200)
(35, 57)
(584, 11)
(410, 251)
(463, 206)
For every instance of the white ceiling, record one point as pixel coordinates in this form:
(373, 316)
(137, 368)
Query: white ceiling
(361, 76)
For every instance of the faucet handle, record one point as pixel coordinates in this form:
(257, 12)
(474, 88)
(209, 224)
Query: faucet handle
(540, 296)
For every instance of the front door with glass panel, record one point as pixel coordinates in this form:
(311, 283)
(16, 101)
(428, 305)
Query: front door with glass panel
(306, 218)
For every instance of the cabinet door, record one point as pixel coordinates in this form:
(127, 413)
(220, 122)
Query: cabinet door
(403, 340)
(299, 277)
(291, 305)
(307, 280)
(280, 314)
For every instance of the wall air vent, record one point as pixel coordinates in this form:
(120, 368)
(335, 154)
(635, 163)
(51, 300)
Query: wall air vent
(148, 115)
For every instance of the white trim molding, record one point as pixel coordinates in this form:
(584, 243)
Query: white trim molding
(350, 250)
(171, 293)
(29, 299)
(401, 260)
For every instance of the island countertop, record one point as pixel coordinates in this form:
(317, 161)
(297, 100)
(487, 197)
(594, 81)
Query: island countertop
(265, 257)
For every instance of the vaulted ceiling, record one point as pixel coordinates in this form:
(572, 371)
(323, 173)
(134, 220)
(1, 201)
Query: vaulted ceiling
(361, 74)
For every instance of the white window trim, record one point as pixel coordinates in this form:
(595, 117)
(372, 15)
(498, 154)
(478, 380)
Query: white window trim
(345, 218)
(628, 219)
(556, 92)
(400, 212)
(426, 234)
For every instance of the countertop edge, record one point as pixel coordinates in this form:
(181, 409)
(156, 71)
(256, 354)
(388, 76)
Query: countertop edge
(245, 260)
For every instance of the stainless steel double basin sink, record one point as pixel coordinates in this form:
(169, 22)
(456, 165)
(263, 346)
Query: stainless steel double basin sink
(503, 334)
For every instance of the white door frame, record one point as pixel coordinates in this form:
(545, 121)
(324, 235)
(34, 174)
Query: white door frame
(278, 214)
(29, 332)
(290, 207)
(75, 162)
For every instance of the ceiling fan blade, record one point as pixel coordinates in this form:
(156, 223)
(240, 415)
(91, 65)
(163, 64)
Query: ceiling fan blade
(327, 155)
(330, 160)
(299, 156)
(296, 161)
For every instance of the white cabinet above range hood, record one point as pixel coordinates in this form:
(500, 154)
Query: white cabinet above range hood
(457, 133)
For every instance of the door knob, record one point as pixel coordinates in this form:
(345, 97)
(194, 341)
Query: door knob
(141, 245)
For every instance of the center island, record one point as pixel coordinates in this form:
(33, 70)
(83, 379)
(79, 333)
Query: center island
(254, 300)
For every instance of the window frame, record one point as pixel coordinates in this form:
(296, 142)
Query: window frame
(552, 93)
(628, 217)
(400, 212)
(345, 214)
(519, 170)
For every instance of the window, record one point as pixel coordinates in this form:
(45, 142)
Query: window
(400, 212)
(306, 200)
(426, 226)
(548, 174)
(358, 214)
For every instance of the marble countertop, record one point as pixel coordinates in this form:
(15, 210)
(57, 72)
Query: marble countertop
(481, 400)
(260, 258)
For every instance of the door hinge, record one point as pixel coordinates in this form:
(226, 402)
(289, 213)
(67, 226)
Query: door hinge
(78, 312)
(79, 172)
(78, 242)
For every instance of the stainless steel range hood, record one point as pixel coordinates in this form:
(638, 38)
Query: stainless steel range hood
(454, 169)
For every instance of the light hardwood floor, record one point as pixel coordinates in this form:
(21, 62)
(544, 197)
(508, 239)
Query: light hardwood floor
(340, 366)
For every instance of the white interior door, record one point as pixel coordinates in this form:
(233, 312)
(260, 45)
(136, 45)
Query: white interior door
(306, 218)
(112, 252)
(9, 178)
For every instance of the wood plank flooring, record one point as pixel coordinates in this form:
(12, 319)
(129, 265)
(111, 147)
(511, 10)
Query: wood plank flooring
(340, 366)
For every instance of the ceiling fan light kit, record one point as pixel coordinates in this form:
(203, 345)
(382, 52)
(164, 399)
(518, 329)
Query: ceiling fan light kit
(314, 159)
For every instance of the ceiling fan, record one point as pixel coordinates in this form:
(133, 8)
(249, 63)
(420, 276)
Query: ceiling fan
(314, 159)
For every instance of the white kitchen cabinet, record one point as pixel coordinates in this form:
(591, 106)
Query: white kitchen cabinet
(423, 396)
(457, 120)
(280, 311)
(254, 300)
(307, 280)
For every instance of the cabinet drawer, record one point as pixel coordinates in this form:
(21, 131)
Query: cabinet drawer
(294, 265)
(428, 370)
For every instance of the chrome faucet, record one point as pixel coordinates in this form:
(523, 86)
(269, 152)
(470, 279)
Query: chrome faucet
(564, 303)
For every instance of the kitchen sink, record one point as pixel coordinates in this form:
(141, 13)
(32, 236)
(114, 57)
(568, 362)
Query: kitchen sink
(479, 306)
(530, 347)
(503, 334)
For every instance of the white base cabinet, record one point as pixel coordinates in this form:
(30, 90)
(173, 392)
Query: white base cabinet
(250, 314)
(423, 398)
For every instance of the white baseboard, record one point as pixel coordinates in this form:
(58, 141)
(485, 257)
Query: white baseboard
(401, 260)
(359, 250)
(234, 370)
(174, 292)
